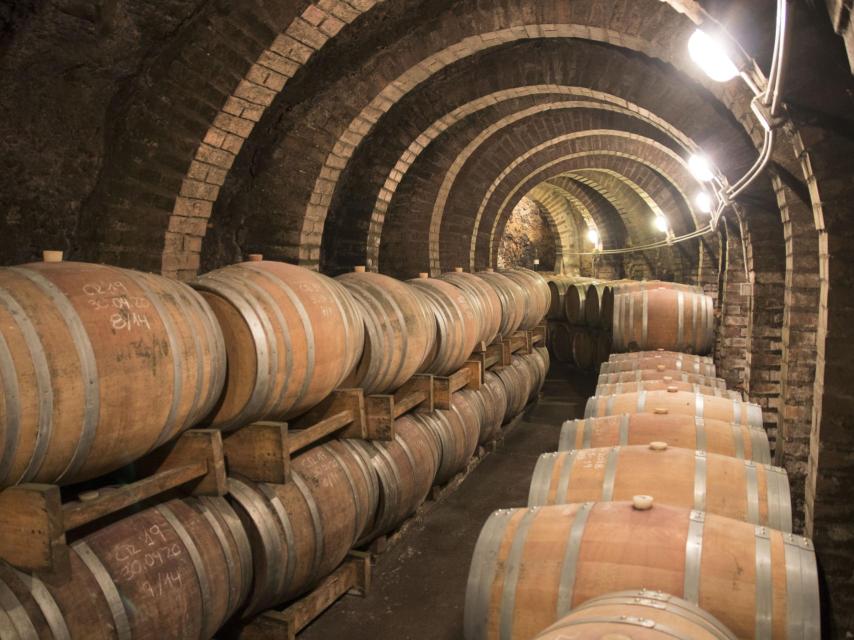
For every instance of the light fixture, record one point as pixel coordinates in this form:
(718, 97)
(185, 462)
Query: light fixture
(704, 202)
(711, 56)
(700, 168)
(593, 236)
(661, 224)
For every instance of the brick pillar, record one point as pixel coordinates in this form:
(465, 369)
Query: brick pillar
(732, 344)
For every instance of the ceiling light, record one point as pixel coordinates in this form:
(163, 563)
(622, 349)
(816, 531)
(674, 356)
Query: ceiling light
(661, 223)
(704, 202)
(711, 56)
(593, 236)
(700, 168)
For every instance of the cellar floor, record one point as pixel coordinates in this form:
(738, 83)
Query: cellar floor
(418, 586)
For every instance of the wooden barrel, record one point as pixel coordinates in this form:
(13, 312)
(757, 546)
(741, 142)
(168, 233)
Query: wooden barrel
(532, 566)
(700, 434)
(583, 348)
(740, 489)
(406, 468)
(635, 355)
(457, 325)
(560, 341)
(512, 297)
(684, 402)
(484, 299)
(517, 384)
(664, 319)
(539, 296)
(537, 365)
(458, 430)
(557, 289)
(300, 531)
(573, 304)
(666, 385)
(659, 363)
(98, 365)
(599, 305)
(399, 333)
(637, 615)
(528, 373)
(643, 375)
(178, 570)
(292, 335)
(495, 401)
(603, 346)
(623, 286)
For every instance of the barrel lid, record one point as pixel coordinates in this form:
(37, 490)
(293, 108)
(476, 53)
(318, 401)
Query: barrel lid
(52, 256)
(658, 445)
(661, 411)
(642, 503)
(256, 257)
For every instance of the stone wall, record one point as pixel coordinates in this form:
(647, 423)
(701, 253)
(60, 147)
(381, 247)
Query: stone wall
(527, 237)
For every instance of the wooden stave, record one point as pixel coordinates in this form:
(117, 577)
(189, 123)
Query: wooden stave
(539, 296)
(663, 385)
(642, 375)
(396, 325)
(614, 528)
(647, 615)
(458, 327)
(661, 363)
(713, 436)
(276, 312)
(143, 379)
(484, 298)
(289, 525)
(693, 404)
(512, 298)
(495, 401)
(694, 480)
(515, 386)
(103, 596)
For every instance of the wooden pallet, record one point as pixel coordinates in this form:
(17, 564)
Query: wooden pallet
(35, 521)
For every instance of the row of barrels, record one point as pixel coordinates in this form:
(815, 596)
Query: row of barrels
(183, 568)
(675, 497)
(580, 346)
(581, 301)
(100, 365)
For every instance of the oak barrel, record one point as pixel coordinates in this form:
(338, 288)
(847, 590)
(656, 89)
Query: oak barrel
(557, 288)
(739, 489)
(660, 363)
(532, 566)
(643, 375)
(573, 303)
(175, 571)
(664, 385)
(98, 366)
(663, 318)
(458, 430)
(688, 432)
(495, 401)
(517, 383)
(635, 355)
(457, 325)
(603, 346)
(399, 333)
(512, 298)
(292, 335)
(560, 341)
(637, 615)
(623, 286)
(672, 401)
(484, 298)
(539, 297)
(300, 531)
(584, 348)
(599, 305)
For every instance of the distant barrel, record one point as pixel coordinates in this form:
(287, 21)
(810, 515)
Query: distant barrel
(666, 385)
(495, 401)
(599, 305)
(573, 304)
(635, 355)
(660, 363)
(644, 375)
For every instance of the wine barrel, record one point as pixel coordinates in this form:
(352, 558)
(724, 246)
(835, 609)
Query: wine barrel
(98, 366)
(484, 299)
(517, 384)
(660, 363)
(512, 297)
(663, 319)
(457, 326)
(405, 468)
(603, 347)
(538, 365)
(583, 348)
(532, 566)
(458, 430)
(300, 531)
(539, 296)
(700, 434)
(684, 402)
(495, 401)
(624, 286)
(637, 615)
(560, 341)
(557, 289)
(178, 570)
(635, 355)
(599, 305)
(399, 333)
(573, 304)
(292, 335)
(666, 385)
(739, 489)
(644, 375)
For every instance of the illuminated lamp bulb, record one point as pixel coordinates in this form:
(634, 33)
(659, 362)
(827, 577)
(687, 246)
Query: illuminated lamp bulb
(704, 202)
(700, 168)
(593, 236)
(661, 223)
(711, 56)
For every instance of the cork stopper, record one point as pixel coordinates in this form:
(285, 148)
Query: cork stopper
(660, 349)
(659, 367)
(614, 636)
(672, 388)
(52, 256)
(668, 378)
(658, 446)
(88, 496)
(359, 269)
(423, 276)
(256, 257)
(661, 411)
(490, 270)
(642, 503)
(458, 269)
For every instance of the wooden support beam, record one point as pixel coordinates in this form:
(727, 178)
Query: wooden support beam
(444, 387)
(261, 452)
(32, 535)
(380, 417)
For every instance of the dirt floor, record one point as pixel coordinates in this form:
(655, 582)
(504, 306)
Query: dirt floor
(418, 585)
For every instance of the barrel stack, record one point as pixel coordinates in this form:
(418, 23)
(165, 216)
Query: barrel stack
(661, 499)
(389, 389)
(580, 319)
